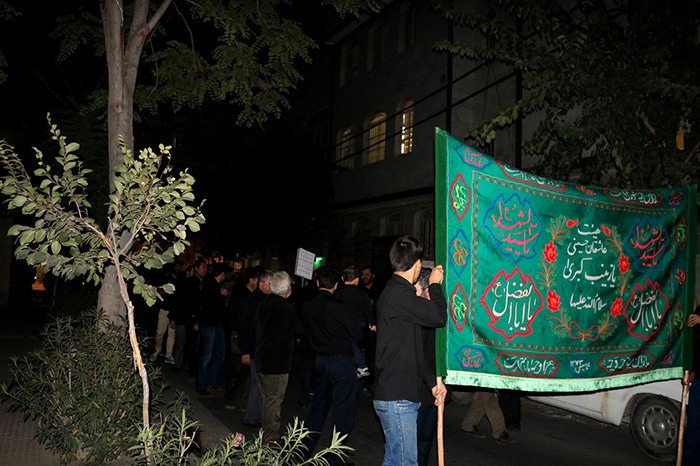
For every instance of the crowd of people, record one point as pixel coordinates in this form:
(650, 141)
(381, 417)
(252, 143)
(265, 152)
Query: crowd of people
(343, 333)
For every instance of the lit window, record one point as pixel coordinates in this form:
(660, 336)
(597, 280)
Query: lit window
(407, 128)
(346, 149)
(377, 138)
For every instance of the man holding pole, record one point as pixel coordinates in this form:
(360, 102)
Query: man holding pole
(400, 366)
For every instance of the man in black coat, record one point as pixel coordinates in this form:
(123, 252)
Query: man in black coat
(331, 327)
(276, 324)
(356, 297)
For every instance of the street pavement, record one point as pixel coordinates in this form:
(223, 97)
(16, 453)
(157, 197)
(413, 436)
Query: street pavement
(548, 436)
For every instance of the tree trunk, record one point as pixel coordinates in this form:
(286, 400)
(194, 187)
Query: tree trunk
(123, 57)
(109, 299)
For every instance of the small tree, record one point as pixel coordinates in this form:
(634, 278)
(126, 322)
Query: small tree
(149, 214)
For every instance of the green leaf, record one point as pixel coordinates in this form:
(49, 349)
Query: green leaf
(72, 147)
(18, 201)
(27, 237)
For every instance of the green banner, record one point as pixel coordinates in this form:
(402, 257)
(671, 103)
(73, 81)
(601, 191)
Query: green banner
(557, 287)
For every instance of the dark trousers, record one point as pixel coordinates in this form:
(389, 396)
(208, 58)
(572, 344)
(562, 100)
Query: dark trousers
(191, 350)
(235, 373)
(691, 440)
(334, 381)
(427, 428)
(302, 368)
(509, 401)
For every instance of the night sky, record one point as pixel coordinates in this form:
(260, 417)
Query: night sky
(260, 184)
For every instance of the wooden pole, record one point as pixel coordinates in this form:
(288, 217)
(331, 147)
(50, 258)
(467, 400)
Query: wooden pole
(441, 448)
(681, 431)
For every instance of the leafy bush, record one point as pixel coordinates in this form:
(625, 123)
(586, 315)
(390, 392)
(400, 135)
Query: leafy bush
(171, 438)
(82, 388)
(288, 451)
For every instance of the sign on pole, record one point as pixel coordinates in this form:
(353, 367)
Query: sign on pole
(305, 264)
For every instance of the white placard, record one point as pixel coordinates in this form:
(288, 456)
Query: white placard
(305, 264)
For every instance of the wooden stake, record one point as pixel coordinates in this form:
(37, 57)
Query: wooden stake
(681, 432)
(441, 448)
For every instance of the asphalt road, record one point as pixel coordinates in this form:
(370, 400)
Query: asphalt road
(548, 436)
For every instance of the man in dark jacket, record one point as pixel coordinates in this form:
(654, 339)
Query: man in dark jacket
(246, 342)
(276, 324)
(400, 366)
(212, 343)
(351, 294)
(331, 327)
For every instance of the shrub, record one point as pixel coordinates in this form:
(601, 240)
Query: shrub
(82, 389)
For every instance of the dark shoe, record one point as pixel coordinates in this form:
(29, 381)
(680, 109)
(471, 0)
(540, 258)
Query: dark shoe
(504, 439)
(203, 392)
(230, 406)
(474, 432)
(302, 404)
(257, 425)
(514, 428)
(217, 388)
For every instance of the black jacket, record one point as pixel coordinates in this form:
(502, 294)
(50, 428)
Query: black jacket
(358, 300)
(212, 311)
(246, 334)
(331, 326)
(276, 324)
(399, 364)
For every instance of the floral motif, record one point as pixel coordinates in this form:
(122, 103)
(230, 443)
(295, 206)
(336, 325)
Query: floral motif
(623, 264)
(606, 230)
(553, 301)
(680, 276)
(550, 252)
(616, 307)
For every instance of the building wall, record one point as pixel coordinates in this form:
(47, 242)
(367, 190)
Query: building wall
(368, 195)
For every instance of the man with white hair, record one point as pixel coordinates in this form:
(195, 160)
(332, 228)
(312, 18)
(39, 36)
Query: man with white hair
(276, 322)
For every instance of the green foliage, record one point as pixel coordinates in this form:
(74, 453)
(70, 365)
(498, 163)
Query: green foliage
(171, 438)
(149, 214)
(354, 7)
(610, 83)
(288, 451)
(251, 62)
(82, 389)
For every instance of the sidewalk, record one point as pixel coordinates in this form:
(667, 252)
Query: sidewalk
(19, 447)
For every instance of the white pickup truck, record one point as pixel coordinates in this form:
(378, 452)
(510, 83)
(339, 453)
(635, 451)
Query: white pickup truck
(652, 410)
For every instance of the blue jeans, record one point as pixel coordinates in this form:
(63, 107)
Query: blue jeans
(212, 349)
(399, 422)
(691, 440)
